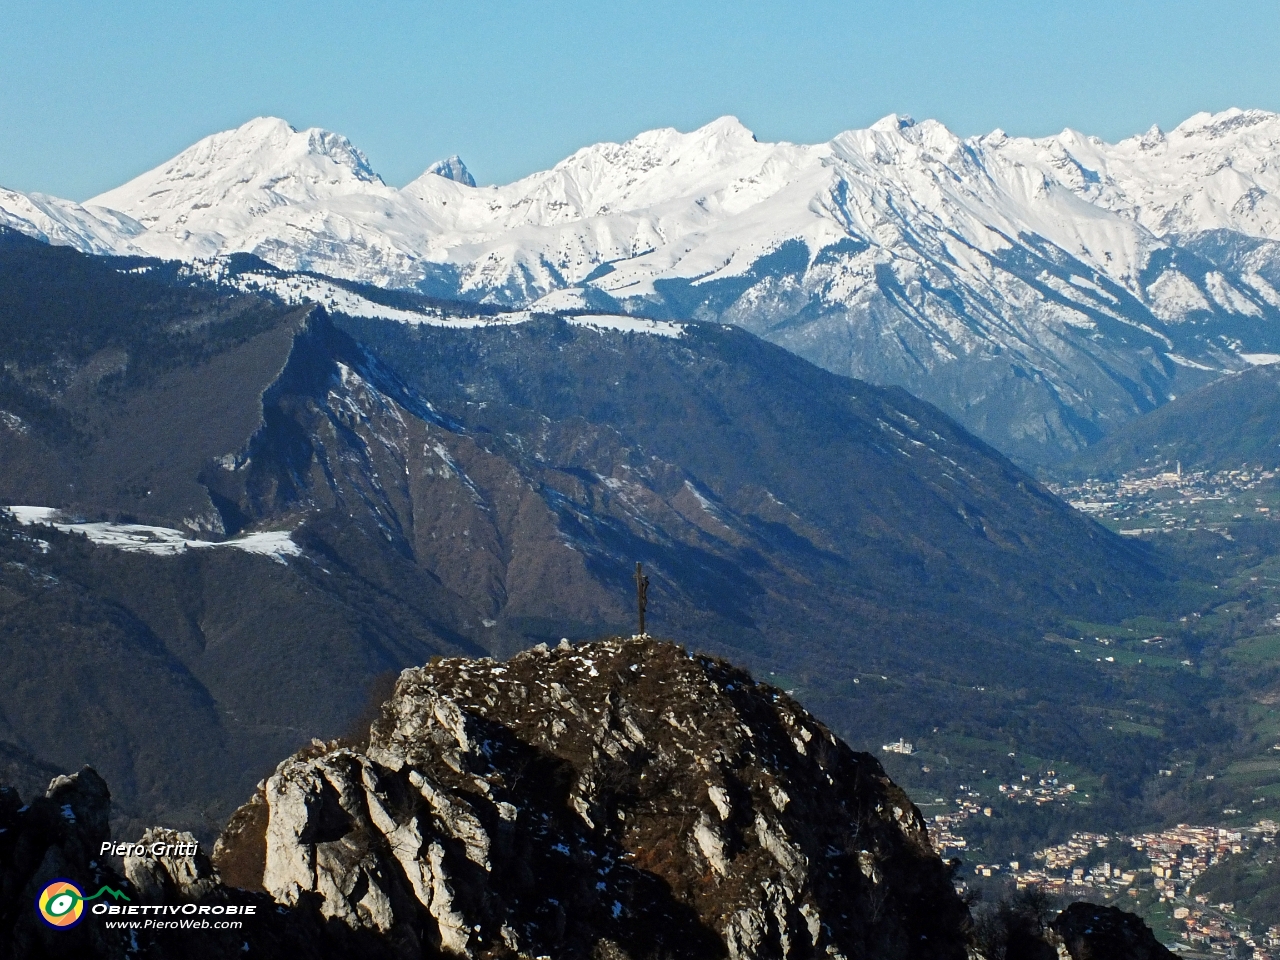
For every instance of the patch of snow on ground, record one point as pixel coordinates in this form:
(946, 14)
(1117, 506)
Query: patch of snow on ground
(1174, 296)
(1184, 362)
(300, 289)
(13, 422)
(1260, 359)
(29, 515)
(159, 541)
(269, 543)
(703, 502)
(1262, 288)
(1228, 297)
(660, 328)
(297, 289)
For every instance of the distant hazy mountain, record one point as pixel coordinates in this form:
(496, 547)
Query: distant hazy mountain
(265, 507)
(1041, 291)
(1230, 422)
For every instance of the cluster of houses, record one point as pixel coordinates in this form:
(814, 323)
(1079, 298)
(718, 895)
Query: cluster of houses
(1046, 789)
(1161, 499)
(1171, 859)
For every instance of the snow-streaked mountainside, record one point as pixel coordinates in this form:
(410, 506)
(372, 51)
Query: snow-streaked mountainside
(1040, 290)
(65, 223)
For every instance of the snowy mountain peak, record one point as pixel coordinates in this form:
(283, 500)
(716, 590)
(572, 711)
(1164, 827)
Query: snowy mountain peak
(261, 129)
(893, 123)
(1211, 172)
(723, 138)
(217, 187)
(67, 224)
(453, 169)
(725, 128)
(984, 257)
(1217, 125)
(1152, 139)
(264, 146)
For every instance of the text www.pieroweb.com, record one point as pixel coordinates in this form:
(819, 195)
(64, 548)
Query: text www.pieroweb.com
(187, 916)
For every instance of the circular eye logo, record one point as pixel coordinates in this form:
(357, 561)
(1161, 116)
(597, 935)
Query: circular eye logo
(61, 904)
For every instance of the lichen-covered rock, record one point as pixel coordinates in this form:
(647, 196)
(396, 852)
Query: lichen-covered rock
(618, 799)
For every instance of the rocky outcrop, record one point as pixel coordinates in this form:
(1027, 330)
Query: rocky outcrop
(1092, 932)
(56, 836)
(622, 799)
(168, 867)
(618, 799)
(59, 836)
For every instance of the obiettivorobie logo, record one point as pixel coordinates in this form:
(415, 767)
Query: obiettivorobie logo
(61, 902)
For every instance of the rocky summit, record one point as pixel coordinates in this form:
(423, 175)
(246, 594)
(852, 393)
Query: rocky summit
(617, 799)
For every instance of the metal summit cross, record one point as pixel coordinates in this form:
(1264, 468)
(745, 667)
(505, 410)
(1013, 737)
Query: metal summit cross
(642, 595)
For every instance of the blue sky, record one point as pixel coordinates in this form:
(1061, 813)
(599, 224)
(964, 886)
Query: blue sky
(94, 93)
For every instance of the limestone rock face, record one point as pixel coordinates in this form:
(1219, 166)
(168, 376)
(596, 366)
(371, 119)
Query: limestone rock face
(617, 799)
(174, 874)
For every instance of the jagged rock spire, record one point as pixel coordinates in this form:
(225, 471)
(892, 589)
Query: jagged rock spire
(453, 169)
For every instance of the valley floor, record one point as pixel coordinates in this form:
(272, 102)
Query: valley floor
(1193, 850)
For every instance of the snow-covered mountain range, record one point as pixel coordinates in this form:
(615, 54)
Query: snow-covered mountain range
(1039, 290)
